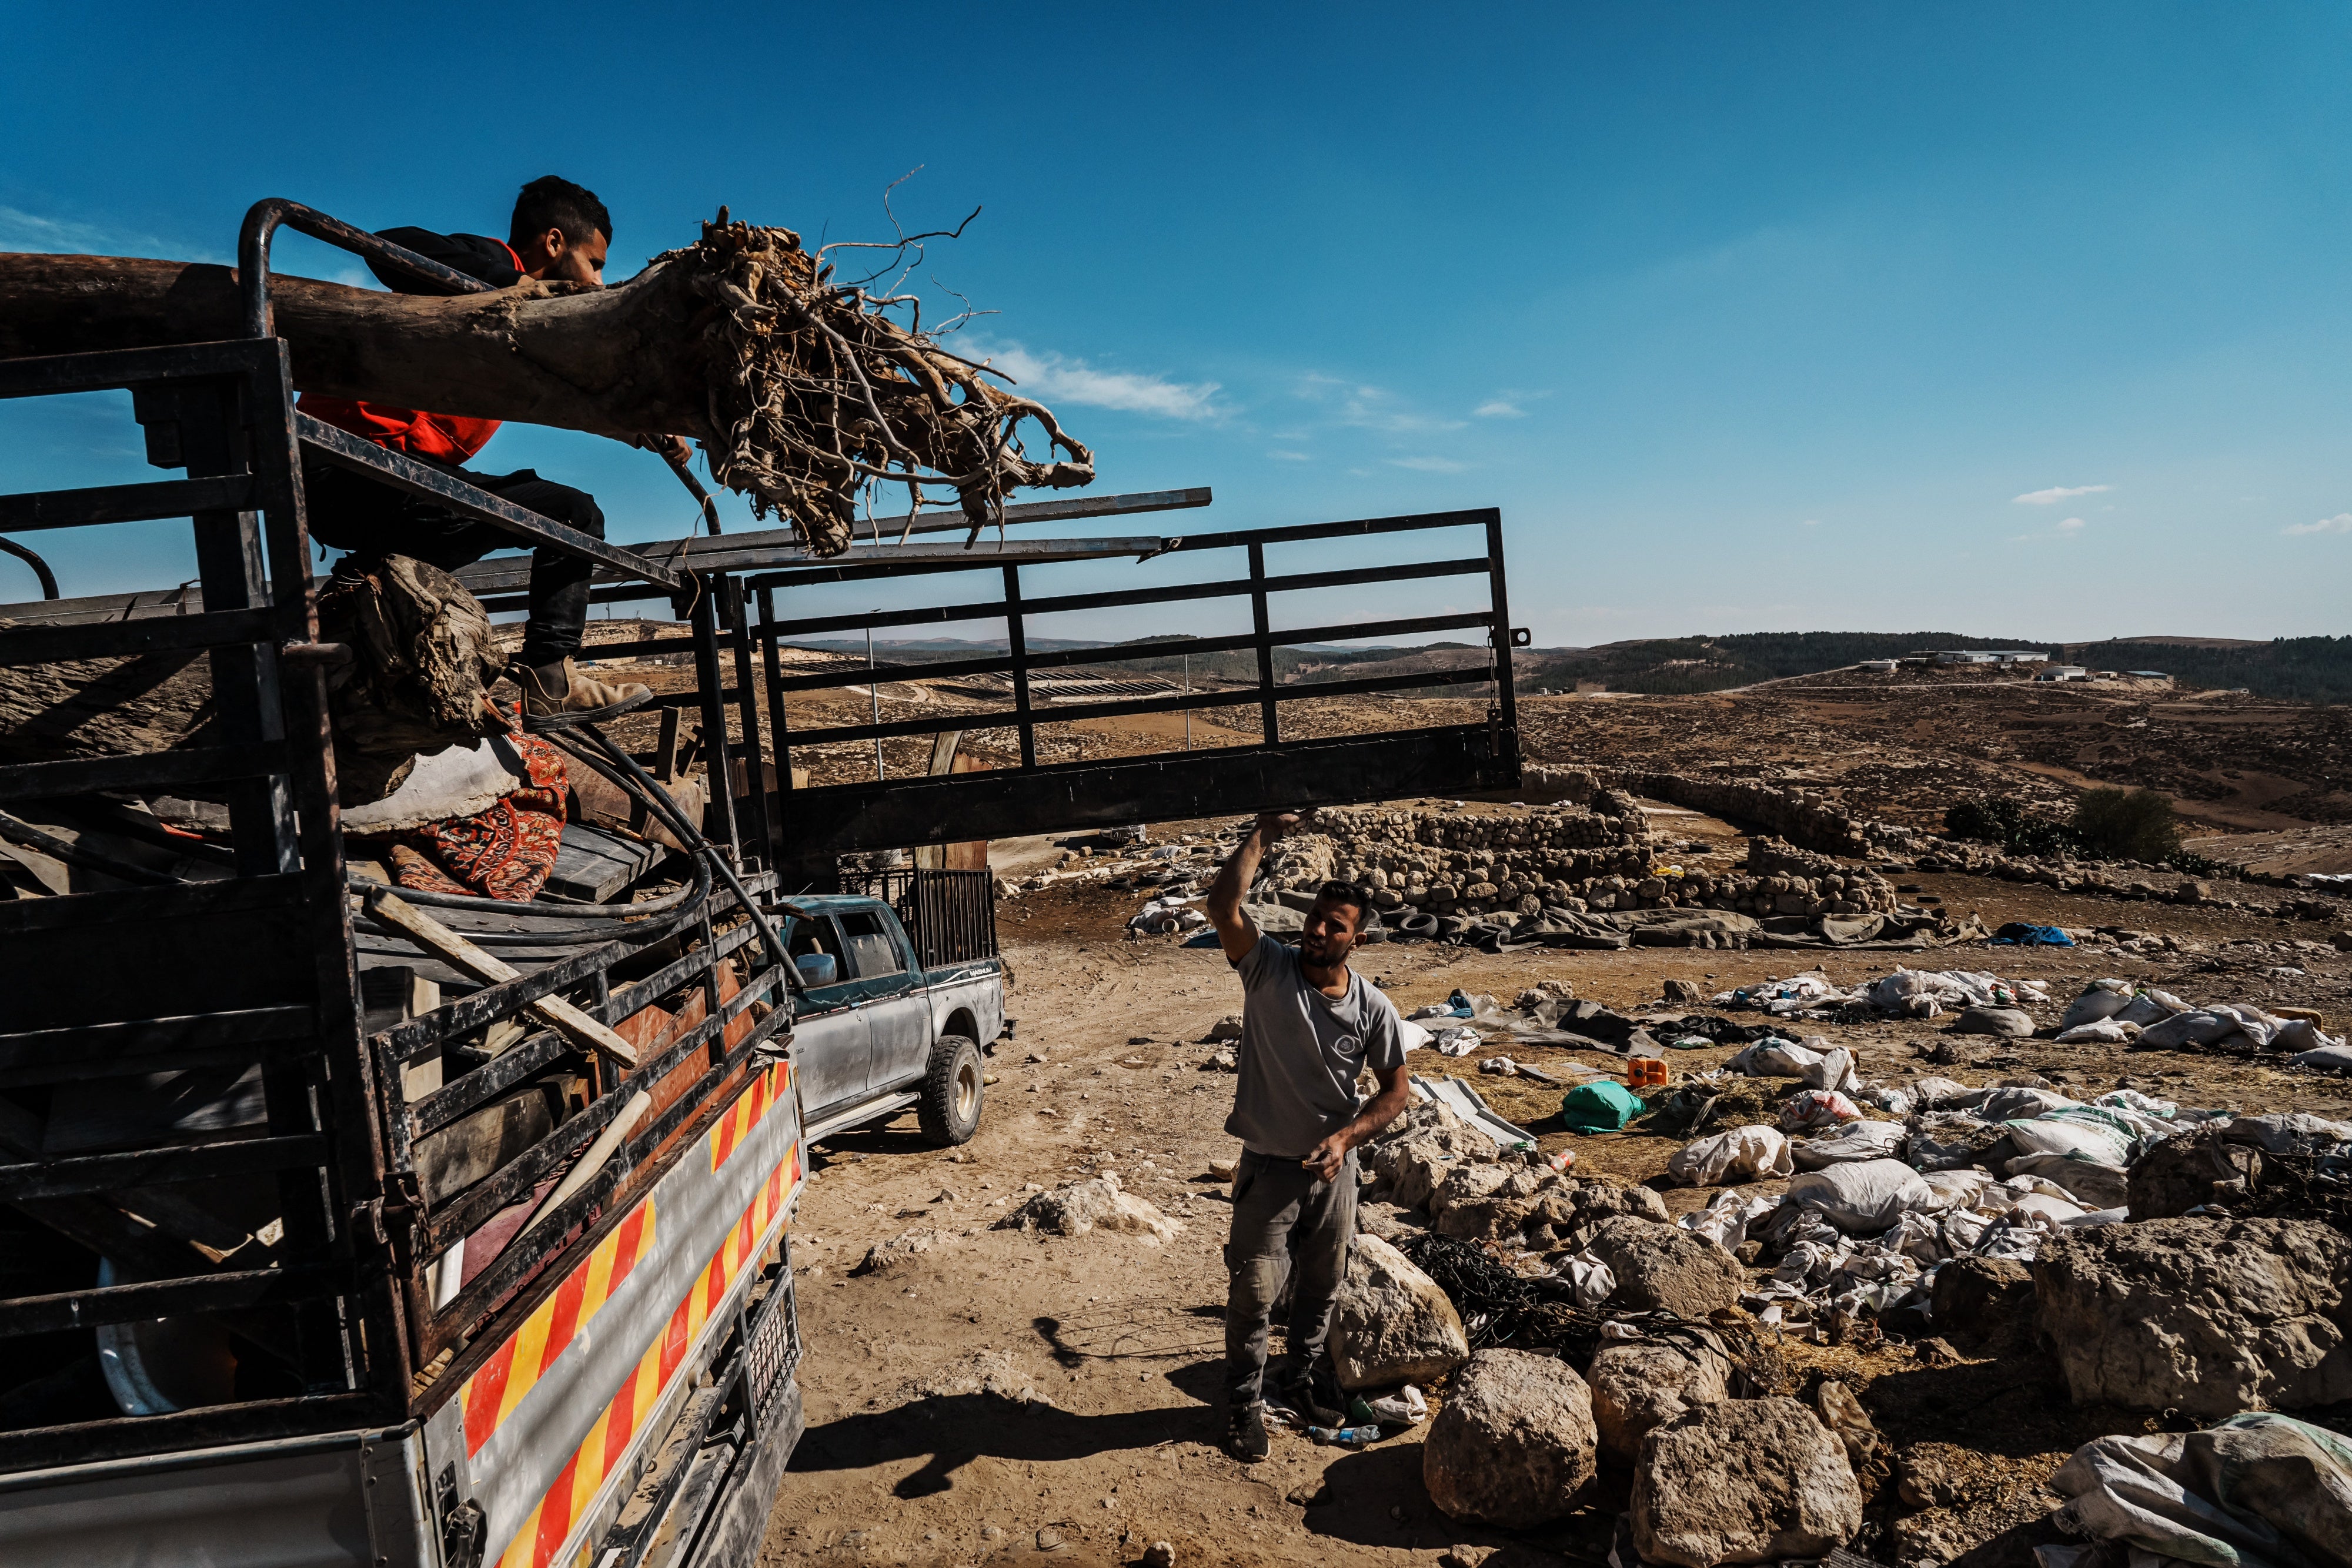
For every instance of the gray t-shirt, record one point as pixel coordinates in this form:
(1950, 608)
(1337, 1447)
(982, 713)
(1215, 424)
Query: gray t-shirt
(1301, 1051)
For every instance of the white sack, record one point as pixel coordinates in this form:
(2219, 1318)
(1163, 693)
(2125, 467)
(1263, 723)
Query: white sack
(1743, 1153)
(1854, 1141)
(2100, 999)
(2076, 1140)
(1864, 1197)
(2098, 1032)
(1817, 1108)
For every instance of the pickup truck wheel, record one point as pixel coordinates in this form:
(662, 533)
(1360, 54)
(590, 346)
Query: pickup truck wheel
(950, 1108)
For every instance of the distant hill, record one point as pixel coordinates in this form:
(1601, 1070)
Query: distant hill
(2298, 669)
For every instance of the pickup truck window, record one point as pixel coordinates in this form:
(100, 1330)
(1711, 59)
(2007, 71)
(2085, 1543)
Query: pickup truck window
(805, 937)
(871, 944)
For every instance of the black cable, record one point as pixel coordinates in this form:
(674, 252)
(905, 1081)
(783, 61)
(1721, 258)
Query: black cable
(49, 578)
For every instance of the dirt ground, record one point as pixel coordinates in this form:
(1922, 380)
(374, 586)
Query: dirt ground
(1006, 1391)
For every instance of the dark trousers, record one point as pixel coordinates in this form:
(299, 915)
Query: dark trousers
(1285, 1223)
(352, 512)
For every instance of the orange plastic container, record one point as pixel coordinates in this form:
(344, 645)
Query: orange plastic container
(1646, 1071)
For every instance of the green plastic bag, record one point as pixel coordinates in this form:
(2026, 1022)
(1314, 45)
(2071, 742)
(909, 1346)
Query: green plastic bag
(1604, 1107)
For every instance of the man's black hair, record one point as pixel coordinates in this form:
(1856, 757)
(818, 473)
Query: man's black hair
(1345, 893)
(553, 202)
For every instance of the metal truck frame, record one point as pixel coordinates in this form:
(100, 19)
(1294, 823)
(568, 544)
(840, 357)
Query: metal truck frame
(616, 1384)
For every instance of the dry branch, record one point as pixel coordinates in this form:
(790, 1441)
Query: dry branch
(800, 390)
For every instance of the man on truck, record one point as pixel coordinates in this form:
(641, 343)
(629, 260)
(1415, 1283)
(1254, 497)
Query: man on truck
(1310, 1026)
(560, 232)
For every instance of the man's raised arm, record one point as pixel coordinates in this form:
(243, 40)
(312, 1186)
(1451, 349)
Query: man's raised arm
(1237, 931)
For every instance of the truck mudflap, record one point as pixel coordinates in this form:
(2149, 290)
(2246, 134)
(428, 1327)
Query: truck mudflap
(538, 1451)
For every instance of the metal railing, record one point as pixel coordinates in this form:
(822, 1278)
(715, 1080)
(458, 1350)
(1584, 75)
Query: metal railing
(949, 915)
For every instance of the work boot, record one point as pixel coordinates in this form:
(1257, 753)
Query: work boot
(1245, 1437)
(561, 688)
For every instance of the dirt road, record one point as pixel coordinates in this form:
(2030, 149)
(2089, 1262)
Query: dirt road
(1003, 1390)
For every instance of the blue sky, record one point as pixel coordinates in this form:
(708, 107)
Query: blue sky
(2011, 319)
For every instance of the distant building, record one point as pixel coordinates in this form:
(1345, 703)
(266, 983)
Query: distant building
(1878, 666)
(1963, 656)
(2064, 673)
(1991, 656)
(2148, 675)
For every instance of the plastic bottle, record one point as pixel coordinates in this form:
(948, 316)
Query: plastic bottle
(1345, 1437)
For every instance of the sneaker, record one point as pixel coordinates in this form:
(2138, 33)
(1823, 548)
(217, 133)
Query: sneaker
(561, 688)
(1245, 1437)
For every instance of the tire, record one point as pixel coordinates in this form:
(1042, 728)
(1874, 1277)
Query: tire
(952, 1087)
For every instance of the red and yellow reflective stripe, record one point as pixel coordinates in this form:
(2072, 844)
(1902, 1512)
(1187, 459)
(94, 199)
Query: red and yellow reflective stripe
(749, 1110)
(608, 1442)
(491, 1395)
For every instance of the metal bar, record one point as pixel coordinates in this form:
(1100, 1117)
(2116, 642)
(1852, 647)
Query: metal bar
(1017, 643)
(159, 1167)
(755, 783)
(714, 751)
(120, 639)
(82, 776)
(209, 1426)
(130, 1044)
(239, 1290)
(778, 718)
(1508, 698)
(110, 369)
(1358, 529)
(968, 721)
(388, 467)
(857, 563)
(1169, 787)
(125, 503)
(1174, 593)
(1269, 725)
(1119, 652)
(261, 222)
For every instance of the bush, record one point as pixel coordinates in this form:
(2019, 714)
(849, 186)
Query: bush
(2128, 825)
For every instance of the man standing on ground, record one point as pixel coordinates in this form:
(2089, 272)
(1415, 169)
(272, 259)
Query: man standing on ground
(1310, 1025)
(558, 231)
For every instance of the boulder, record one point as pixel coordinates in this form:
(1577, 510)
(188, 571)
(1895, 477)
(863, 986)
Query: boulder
(1662, 1268)
(1638, 1384)
(1077, 1207)
(2012, 1023)
(1410, 1170)
(1392, 1324)
(1514, 1445)
(1468, 1183)
(886, 1255)
(1747, 1480)
(2184, 1173)
(1976, 1296)
(2207, 1316)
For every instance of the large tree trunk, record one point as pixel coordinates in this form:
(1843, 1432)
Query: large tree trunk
(615, 361)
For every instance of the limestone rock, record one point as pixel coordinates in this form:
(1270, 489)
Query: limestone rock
(1514, 1446)
(2184, 1173)
(1077, 1207)
(1392, 1324)
(1227, 1028)
(1664, 1268)
(1639, 1385)
(1976, 1296)
(2206, 1316)
(1530, 1200)
(2012, 1023)
(889, 1254)
(1747, 1480)
(1468, 1183)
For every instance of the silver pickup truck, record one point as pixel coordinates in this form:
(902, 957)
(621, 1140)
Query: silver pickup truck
(875, 1030)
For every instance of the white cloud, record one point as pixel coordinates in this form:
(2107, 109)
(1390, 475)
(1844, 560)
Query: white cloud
(2341, 523)
(1496, 408)
(1429, 464)
(2056, 494)
(24, 231)
(1812, 522)
(1052, 378)
(2069, 525)
(1290, 457)
(1372, 408)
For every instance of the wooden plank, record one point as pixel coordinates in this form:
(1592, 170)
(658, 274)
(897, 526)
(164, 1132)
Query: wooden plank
(124, 1045)
(230, 1291)
(160, 1167)
(446, 944)
(591, 864)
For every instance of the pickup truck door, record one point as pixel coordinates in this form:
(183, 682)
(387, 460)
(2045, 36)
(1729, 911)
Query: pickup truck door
(832, 1049)
(898, 1009)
